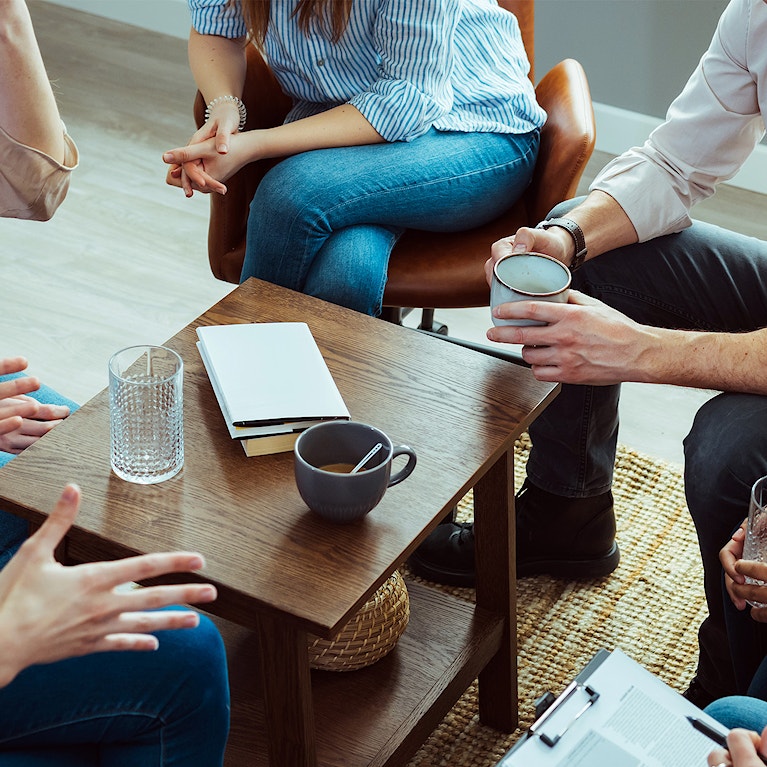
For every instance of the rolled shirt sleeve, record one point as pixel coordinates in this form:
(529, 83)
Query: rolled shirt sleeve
(710, 130)
(32, 183)
(218, 17)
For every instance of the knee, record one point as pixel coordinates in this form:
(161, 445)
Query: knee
(725, 453)
(739, 711)
(289, 188)
(199, 659)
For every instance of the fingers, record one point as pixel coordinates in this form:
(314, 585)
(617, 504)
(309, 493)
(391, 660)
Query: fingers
(132, 633)
(731, 552)
(718, 757)
(48, 412)
(53, 530)
(202, 180)
(10, 365)
(157, 620)
(154, 597)
(111, 574)
(735, 598)
(18, 386)
(742, 745)
(222, 139)
(185, 154)
(8, 425)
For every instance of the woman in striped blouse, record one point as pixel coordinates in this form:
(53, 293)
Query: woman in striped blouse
(405, 115)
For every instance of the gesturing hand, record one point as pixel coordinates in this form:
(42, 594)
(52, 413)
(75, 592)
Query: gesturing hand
(49, 612)
(23, 420)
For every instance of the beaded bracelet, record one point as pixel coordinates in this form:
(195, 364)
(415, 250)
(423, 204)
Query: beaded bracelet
(240, 108)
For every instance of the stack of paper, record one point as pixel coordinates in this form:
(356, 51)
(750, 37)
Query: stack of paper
(271, 382)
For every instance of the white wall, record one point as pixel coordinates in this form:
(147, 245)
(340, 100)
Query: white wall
(617, 128)
(168, 16)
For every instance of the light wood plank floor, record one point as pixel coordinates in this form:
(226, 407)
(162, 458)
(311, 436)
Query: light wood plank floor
(124, 260)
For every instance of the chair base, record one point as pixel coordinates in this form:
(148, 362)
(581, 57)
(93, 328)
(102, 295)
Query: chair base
(395, 315)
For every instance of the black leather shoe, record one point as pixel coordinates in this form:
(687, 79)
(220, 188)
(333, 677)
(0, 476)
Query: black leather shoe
(566, 537)
(447, 555)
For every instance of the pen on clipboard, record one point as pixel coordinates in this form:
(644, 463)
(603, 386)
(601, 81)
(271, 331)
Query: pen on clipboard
(715, 735)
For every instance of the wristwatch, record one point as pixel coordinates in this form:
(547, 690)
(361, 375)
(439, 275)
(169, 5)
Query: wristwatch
(575, 232)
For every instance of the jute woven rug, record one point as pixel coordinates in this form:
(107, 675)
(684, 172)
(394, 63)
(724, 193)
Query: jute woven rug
(650, 607)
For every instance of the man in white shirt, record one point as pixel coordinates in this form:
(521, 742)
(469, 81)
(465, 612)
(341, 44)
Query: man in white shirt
(667, 301)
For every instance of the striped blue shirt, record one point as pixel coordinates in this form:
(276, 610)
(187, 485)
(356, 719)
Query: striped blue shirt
(406, 65)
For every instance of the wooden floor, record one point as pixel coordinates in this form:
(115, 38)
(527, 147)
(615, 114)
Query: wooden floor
(124, 260)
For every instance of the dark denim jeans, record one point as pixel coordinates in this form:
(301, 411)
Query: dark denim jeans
(703, 278)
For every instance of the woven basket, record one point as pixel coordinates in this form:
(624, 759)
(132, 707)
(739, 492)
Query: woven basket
(369, 635)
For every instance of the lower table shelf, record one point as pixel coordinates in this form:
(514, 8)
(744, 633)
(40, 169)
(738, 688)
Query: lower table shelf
(380, 715)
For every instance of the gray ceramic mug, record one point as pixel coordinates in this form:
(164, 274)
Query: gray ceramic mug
(528, 277)
(324, 456)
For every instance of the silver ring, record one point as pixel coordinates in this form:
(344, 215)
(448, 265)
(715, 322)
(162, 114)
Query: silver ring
(722, 764)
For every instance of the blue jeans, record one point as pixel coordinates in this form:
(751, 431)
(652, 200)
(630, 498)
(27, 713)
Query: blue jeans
(324, 222)
(13, 529)
(739, 711)
(703, 278)
(130, 709)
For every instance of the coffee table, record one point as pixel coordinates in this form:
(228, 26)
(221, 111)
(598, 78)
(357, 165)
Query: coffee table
(283, 572)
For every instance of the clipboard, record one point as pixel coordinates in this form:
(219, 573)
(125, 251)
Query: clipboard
(546, 708)
(615, 712)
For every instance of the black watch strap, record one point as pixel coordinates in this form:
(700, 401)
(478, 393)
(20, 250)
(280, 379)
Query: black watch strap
(575, 232)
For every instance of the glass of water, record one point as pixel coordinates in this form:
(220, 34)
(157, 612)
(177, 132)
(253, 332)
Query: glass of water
(146, 406)
(755, 545)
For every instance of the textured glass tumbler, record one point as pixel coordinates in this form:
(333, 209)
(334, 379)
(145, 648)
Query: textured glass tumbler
(146, 405)
(755, 545)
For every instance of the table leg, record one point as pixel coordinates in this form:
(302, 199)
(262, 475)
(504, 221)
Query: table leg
(287, 687)
(495, 533)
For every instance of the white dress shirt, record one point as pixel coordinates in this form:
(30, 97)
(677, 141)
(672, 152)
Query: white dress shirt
(711, 128)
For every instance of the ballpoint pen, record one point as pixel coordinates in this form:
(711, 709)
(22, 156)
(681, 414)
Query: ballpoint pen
(715, 735)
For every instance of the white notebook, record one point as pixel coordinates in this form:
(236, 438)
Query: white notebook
(269, 378)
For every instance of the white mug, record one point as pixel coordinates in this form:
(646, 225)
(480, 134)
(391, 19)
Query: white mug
(528, 277)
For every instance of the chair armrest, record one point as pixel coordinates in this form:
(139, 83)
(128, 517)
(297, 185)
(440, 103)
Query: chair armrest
(567, 138)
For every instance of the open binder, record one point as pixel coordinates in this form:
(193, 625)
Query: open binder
(615, 713)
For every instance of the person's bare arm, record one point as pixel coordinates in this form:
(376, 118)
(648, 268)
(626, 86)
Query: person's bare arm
(205, 165)
(604, 224)
(28, 110)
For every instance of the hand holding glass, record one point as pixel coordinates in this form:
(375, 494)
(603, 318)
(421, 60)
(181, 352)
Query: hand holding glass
(755, 545)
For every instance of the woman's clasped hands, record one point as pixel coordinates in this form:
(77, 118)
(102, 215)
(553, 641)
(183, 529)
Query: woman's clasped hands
(211, 156)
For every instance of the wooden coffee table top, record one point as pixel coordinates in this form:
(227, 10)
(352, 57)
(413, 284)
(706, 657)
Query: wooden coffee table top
(457, 408)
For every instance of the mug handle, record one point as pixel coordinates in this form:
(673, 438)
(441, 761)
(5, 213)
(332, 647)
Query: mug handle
(407, 469)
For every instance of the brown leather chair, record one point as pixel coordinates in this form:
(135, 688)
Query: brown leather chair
(427, 270)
